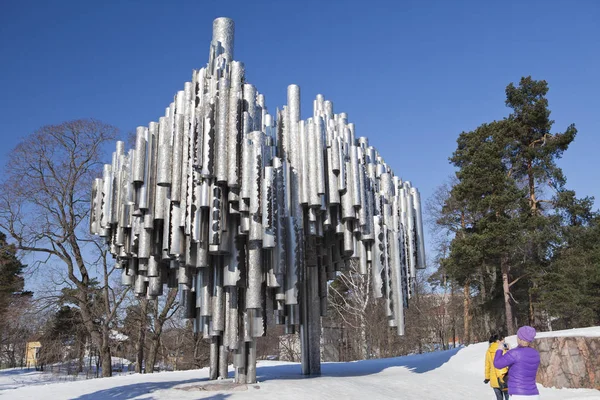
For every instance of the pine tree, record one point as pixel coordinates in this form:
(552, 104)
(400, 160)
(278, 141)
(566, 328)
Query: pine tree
(493, 198)
(569, 288)
(532, 154)
(11, 273)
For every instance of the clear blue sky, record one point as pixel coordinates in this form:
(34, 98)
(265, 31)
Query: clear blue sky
(411, 74)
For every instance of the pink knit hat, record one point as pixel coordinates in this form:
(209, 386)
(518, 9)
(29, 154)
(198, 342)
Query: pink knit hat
(526, 333)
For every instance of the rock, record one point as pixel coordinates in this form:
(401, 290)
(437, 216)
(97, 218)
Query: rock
(569, 362)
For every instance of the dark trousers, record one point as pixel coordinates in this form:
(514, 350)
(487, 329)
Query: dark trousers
(500, 395)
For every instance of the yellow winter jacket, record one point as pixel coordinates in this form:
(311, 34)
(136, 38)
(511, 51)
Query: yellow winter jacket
(492, 373)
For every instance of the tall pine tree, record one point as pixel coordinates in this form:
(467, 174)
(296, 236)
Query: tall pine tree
(532, 154)
(490, 194)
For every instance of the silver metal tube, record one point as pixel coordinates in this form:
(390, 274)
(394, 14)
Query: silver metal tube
(206, 295)
(332, 181)
(215, 230)
(234, 124)
(218, 314)
(246, 165)
(347, 198)
(378, 261)
(256, 172)
(253, 297)
(165, 148)
(221, 131)
(294, 133)
(320, 148)
(354, 176)
(304, 161)
(177, 158)
(208, 137)
(140, 154)
(419, 228)
(223, 33)
(199, 119)
(95, 199)
(106, 196)
(150, 174)
(267, 205)
(293, 265)
(410, 230)
(176, 242)
(249, 95)
(314, 200)
(335, 156)
(186, 164)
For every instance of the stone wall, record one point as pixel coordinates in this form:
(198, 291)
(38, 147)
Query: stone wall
(569, 362)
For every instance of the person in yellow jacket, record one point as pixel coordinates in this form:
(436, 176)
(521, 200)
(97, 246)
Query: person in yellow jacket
(495, 377)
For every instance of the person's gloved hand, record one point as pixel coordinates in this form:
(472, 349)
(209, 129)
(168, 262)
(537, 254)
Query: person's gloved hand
(486, 381)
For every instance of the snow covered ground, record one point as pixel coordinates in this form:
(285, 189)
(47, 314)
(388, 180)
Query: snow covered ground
(453, 374)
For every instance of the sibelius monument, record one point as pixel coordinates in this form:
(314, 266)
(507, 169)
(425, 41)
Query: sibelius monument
(251, 214)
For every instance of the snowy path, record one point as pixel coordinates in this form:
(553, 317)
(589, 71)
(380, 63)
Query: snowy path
(453, 374)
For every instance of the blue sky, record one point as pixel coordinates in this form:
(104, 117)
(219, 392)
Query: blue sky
(410, 74)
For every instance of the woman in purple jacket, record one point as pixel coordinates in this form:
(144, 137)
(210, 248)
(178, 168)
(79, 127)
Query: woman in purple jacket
(522, 363)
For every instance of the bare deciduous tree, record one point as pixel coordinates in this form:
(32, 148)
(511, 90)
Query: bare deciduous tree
(446, 218)
(160, 314)
(17, 323)
(351, 301)
(44, 205)
(289, 347)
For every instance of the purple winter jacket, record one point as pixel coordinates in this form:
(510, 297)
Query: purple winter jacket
(522, 363)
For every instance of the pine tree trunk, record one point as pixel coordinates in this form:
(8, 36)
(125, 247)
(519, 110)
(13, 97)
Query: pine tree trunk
(467, 313)
(484, 296)
(510, 325)
(531, 310)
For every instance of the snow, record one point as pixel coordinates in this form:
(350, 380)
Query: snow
(593, 331)
(452, 374)
(118, 336)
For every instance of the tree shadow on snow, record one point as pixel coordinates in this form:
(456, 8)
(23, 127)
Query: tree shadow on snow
(16, 371)
(134, 390)
(418, 363)
(218, 396)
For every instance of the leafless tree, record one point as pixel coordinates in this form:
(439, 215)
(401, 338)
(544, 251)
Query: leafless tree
(447, 218)
(44, 206)
(351, 301)
(289, 347)
(17, 324)
(140, 343)
(162, 311)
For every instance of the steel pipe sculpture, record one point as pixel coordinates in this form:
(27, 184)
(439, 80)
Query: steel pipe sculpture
(250, 214)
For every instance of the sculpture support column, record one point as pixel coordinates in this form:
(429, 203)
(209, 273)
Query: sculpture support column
(310, 323)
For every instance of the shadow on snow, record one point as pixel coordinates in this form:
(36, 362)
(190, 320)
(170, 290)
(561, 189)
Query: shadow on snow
(134, 390)
(418, 363)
